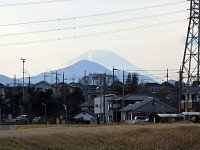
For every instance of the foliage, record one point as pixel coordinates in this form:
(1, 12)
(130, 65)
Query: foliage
(97, 79)
(132, 83)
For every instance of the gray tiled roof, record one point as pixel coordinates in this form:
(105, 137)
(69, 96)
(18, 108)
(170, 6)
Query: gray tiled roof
(88, 103)
(137, 105)
(192, 89)
(131, 97)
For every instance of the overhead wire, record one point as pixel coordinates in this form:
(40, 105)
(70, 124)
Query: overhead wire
(93, 34)
(92, 25)
(92, 15)
(31, 3)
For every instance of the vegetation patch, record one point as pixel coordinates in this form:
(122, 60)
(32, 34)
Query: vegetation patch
(115, 137)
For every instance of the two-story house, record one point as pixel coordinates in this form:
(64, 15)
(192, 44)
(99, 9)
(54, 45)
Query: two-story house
(191, 101)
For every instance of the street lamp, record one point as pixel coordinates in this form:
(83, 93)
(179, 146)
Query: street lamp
(45, 105)
(23, 61)
(123, 89)
(65, 108)
(113, 90)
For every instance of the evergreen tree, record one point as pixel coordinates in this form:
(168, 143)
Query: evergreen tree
(132, 83)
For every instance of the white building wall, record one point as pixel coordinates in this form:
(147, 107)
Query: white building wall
(99, 107)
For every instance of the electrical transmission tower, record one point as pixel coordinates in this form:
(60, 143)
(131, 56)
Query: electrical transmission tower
(190, 64)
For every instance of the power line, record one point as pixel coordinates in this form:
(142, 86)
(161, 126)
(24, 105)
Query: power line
(91, 25)
(93, 34)
(30, 3)
(135, 9)
(128, 29)
(87, 16)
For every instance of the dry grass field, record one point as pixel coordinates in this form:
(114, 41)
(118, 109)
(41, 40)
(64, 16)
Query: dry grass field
(108, 137)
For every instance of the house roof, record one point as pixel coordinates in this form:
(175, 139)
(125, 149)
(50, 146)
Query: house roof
(86, 111)
(1, 85)
(152, 85)
(42, 82)
(88, 103)
(136, 97)
(131, 97)
(192, 89)
(158, 106)
(79, 85)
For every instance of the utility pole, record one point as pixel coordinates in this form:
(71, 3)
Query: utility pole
(169, 98)
(180, 87)
(23, 61)
(113, 90)
(113, 75)
(86, 87)
(15, 81)
(56, 84)
(56, 77)
(104, 100)
(191, 57)
(123, 84)
(63, 77)
(123, 97)
(29, 81)
(44, 77)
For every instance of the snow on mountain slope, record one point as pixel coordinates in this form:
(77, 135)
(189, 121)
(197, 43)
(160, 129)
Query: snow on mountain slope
(106, 58)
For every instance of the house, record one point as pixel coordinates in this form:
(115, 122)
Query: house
(102, 107)
(88, 105)
(117, 102)
(191, 101)
(153, 87)
(145, 107)
(43, 86)
(108, 108)
(2, 91)
(85, 115)
(89, 91)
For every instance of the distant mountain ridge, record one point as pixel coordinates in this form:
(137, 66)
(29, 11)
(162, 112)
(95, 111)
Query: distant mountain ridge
(4, 80)
(72, 72)
(95, 61)
(106, 58)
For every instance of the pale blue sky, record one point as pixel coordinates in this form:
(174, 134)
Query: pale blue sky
(157, 47)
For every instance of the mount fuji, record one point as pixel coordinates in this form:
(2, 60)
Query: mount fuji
(93, 61)
(106, 58)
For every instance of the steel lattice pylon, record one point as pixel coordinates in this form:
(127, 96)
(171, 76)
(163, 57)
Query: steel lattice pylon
(190, 64)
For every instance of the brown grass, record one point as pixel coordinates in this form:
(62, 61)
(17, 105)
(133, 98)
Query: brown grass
(117, 137)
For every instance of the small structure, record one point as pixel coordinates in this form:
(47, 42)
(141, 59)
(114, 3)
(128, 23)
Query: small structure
(144, 108)
(84, 115)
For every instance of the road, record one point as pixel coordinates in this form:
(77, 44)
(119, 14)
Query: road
(45, 131)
